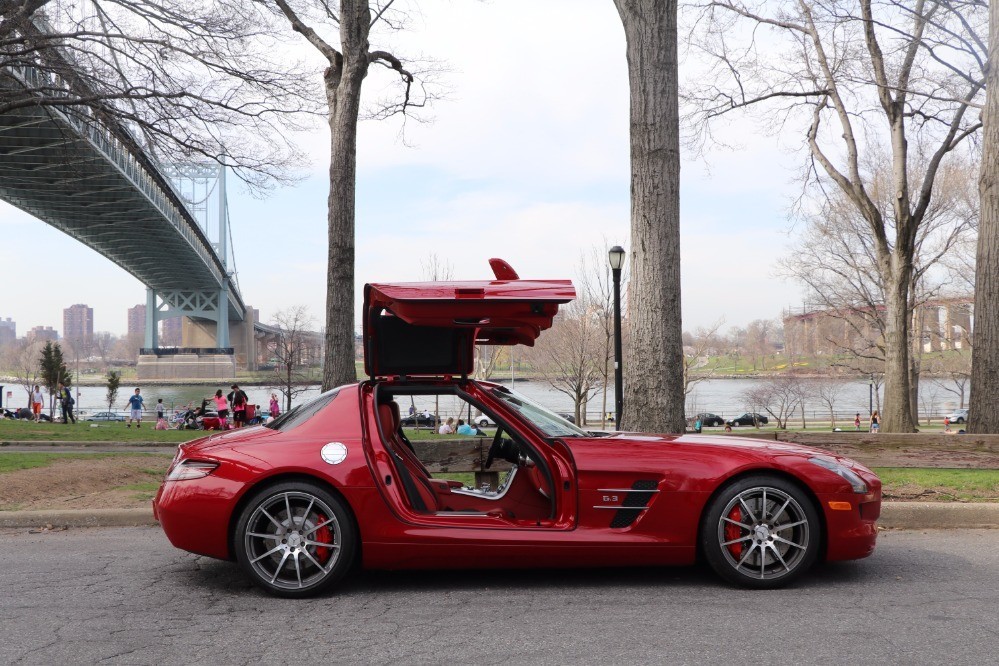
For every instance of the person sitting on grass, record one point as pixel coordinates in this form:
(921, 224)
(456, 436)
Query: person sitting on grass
(464, 428)
(447, 428)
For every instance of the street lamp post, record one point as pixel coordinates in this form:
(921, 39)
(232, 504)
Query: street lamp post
(870, 399)
(616, 257)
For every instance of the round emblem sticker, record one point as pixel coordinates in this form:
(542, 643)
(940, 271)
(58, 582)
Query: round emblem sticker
(334, 453)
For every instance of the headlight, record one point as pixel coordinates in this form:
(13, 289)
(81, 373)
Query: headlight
(191, 469)
(848, 474)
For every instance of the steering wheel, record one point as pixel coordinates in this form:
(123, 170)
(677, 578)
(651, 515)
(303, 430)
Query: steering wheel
(496, 448)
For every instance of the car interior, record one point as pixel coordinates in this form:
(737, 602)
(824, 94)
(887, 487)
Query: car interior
(524, 496)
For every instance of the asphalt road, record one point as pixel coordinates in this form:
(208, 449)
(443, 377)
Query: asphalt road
(125, 596)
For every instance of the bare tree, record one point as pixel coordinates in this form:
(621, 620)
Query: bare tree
(290, 351)
(22, 360)
(837, 261)
(983, 409)
(896, 73)
(653, 368)
(565, 355)
(778, 396)
(828, 392)
(758, 342)
(596, 284)
(180, 79)
(104, 342)
(953, 373)
(702, 344)
(347, 67)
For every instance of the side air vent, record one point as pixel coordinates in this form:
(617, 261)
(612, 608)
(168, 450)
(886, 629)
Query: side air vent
(625, 516)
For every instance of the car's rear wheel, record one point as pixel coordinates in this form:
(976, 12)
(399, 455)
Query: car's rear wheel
(960, 419)
(761, 531)
(295, 539)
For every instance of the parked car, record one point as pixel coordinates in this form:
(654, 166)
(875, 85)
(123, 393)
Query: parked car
(334, 484)
(571, 418)
(709, 420)
(105, 416)
(483, 421)
(419, 421)
(748, 419)
(958, 416)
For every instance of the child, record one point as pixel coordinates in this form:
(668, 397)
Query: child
(856, 421)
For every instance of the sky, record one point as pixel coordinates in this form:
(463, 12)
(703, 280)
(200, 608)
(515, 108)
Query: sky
(526, 159)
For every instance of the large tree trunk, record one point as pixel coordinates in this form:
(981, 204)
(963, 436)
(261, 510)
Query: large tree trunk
(343, 91)
(897, 416)
(653, 368)
(983, 408)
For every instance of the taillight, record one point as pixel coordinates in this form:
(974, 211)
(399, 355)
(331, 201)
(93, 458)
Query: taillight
(191, 469)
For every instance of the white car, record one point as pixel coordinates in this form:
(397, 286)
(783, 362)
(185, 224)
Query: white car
(483, 421)
(105, 416)
(958, 416)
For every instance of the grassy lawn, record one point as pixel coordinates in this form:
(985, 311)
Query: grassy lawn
(13, 431)
(968, 485)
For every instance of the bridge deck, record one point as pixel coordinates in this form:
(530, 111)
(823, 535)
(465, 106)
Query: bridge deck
(80, 179)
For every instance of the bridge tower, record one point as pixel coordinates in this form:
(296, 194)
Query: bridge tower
(202, 186)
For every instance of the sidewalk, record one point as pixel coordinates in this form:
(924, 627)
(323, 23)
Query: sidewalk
(894, 515)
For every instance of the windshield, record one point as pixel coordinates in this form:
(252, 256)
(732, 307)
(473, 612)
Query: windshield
(552, 425)
(302, 413)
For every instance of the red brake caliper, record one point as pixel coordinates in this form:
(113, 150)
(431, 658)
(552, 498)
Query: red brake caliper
(323, 535)
(734, 532)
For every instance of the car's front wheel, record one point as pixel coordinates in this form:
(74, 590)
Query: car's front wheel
(761, 531)
(295, 539)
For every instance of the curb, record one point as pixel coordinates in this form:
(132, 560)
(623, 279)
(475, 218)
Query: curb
(894, 515)
(78, 518)
(938, 515)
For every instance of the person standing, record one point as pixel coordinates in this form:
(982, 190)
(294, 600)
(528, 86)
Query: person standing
(66, 401)
(856, 421)
(274, 409)
(135, 409)
(36, 403)
(160, 412)
(237, 402)
(875, 422)
(222, 407)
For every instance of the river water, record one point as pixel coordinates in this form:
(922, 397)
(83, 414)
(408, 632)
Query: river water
(720, 396)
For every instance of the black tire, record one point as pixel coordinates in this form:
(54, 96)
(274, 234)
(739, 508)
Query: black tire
(781, 547)
(296, 558)
(483, 423)
(960, 420)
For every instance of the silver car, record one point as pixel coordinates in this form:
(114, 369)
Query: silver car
(958, 416)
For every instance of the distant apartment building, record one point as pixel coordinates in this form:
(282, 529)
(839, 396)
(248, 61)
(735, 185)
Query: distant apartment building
(137, 322)
(78, 327)
(42, 333)
(171, 332)
(945, 324)
(8, 331)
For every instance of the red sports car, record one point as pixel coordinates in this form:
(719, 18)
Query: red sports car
(335, 483)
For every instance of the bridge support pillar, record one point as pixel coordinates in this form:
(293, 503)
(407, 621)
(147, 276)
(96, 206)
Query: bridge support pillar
(152, 322)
